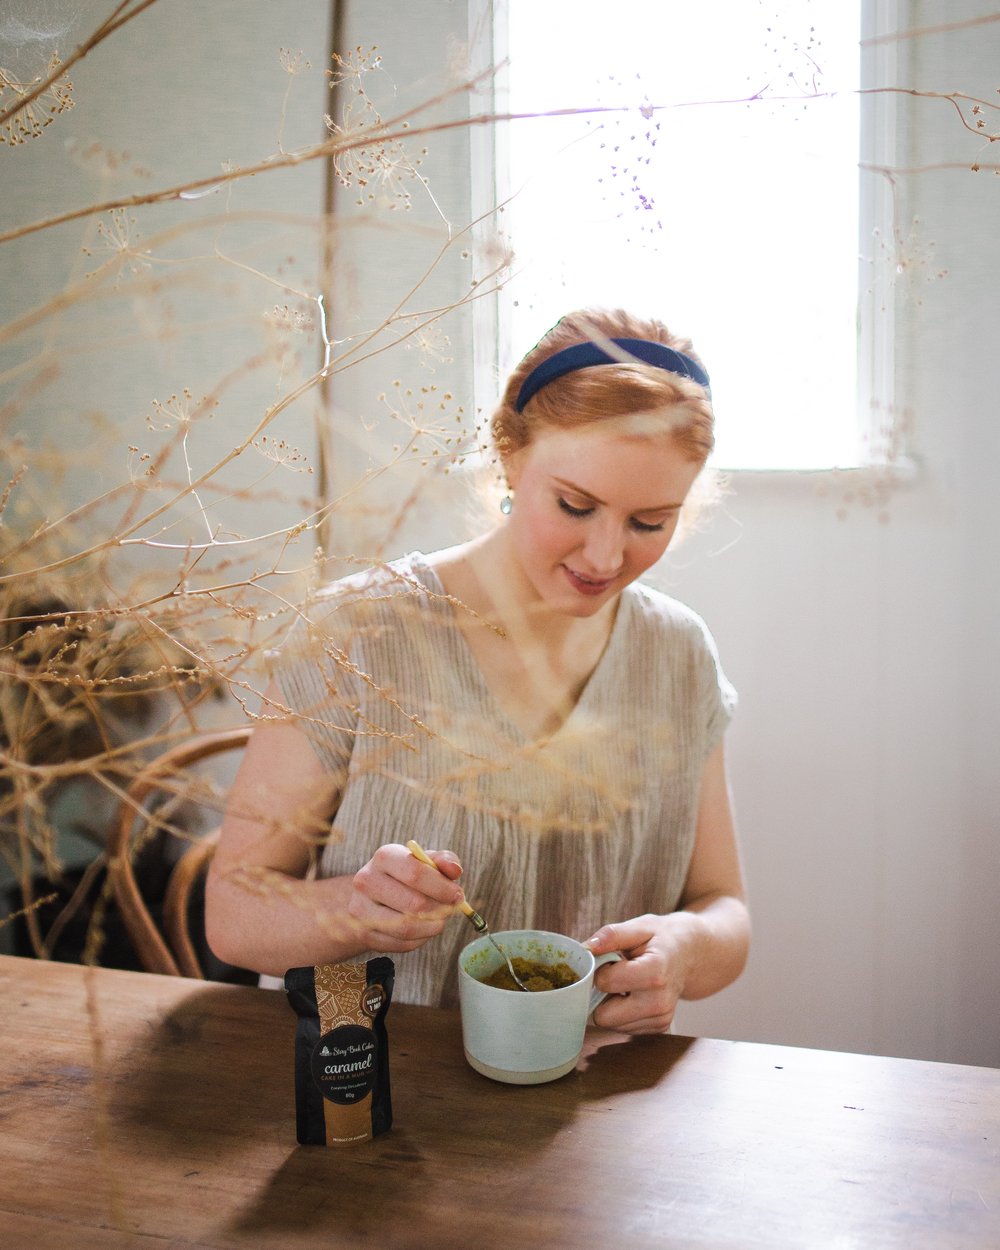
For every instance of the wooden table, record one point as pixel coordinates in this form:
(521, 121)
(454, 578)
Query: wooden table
(139, 1110)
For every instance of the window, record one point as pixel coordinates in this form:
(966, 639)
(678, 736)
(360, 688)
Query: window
(714, 184)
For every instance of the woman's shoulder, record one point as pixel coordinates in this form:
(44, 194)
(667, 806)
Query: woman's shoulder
(378, 602)
(673, 633)
(409, 572)
(389, 584)
(658, 612)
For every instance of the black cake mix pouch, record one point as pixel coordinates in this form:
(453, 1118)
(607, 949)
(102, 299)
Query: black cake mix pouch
(341, 1051)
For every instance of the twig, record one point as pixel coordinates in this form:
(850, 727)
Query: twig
(394, 130)
(106, 28)
(73, 904)
(14, 481)
(919, 32)
(24, 911)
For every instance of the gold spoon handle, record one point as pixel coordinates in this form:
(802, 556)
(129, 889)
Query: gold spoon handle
(418, 852)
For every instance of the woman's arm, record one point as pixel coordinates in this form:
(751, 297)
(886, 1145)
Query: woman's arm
(690, 953)
(264, 914)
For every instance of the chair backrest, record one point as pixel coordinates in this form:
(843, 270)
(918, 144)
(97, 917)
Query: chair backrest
(170, 950)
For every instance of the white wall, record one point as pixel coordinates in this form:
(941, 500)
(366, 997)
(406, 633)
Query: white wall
(863, 757)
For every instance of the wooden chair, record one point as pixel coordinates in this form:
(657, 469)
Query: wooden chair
(170, 951)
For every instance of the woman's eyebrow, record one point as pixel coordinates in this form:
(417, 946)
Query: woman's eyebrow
(578, 490)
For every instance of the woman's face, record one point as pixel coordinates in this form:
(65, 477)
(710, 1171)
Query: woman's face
(595, 508)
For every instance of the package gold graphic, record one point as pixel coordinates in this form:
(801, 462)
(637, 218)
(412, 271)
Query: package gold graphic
(342, 1092)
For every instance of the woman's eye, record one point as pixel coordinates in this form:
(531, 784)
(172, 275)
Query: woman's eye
(645, 528)
(571, 511)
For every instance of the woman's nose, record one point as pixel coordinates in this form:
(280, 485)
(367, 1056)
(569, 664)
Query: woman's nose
(604, 548)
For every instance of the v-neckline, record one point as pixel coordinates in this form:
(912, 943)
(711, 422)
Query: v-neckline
(419, 563)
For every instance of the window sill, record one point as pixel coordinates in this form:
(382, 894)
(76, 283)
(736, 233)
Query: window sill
(903, 471)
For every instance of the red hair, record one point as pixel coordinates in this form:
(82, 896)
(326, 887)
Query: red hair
(606, 391)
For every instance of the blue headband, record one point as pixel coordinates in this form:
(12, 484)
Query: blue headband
(583, 355)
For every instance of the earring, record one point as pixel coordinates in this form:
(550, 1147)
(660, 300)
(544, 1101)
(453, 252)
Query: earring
(506, 505)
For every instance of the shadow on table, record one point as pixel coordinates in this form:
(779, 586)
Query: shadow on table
(201, 1076)
(617, 1063)
(353, 1190)
(203, 1082)
(442, 1147)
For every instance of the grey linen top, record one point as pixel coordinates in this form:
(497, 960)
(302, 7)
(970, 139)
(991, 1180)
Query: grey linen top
(591, 825)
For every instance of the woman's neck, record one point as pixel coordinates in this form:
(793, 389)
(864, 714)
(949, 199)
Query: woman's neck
(535, 660)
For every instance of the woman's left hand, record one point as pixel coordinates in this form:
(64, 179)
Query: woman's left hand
(644, 986)
(689, 953)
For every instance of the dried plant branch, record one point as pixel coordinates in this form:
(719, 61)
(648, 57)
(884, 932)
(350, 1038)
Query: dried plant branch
(113, 22)
(955, 98)
(921, 32)
(395, 130)
(398, 130)
(894, 171)
(23, 911)
(9, 488)
(124, 537)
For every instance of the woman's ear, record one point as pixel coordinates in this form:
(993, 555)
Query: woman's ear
(510, 468)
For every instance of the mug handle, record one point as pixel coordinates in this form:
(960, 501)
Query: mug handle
(598, 996)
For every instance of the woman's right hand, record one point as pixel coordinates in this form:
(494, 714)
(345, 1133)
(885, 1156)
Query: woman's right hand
(398, 903)
(264, 908)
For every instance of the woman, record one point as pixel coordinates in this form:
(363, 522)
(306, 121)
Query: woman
(521, 700)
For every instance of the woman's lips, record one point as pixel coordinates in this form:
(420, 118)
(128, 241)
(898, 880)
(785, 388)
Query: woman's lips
(586, 585)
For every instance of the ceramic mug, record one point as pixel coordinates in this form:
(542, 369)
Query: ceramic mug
(519, 1038)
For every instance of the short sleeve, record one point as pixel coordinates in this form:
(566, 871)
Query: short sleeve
(718, 695)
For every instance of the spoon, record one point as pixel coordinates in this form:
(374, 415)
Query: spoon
(478, 923)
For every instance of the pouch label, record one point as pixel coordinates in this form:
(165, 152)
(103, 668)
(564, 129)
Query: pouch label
(343, 1063)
